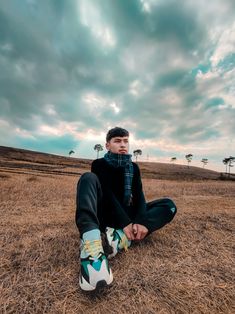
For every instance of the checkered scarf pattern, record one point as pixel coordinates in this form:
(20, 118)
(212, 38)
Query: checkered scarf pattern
(123, 160)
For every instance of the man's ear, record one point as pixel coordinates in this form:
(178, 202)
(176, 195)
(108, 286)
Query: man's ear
(107, 145)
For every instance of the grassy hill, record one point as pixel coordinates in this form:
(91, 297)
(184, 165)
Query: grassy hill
(185, 267)
(20, 160)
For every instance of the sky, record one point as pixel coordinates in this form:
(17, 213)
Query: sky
(163, 69)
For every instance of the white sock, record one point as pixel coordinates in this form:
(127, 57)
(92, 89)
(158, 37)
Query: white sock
(91, 235)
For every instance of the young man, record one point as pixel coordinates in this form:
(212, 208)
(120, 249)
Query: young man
(110, 200)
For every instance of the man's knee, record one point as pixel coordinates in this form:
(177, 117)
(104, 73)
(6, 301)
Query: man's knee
(88, 177)
(171, 207)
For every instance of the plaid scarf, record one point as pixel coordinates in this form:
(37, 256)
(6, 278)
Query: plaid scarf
(123, 160)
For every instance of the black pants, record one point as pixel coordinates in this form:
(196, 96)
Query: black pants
(91, 215)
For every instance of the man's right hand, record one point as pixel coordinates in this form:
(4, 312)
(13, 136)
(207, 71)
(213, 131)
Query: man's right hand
(128, 230)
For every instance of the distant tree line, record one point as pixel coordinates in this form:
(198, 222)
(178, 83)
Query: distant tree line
(227, 161)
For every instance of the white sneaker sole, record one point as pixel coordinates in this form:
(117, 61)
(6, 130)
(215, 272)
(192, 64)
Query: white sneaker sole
(91, 287)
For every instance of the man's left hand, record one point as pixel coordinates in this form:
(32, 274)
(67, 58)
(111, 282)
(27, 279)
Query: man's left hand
(140, 231)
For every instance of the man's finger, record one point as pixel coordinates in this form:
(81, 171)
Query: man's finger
(129, 235)
(133, 235)
(143, 235)
(140, 236)
(135, 229)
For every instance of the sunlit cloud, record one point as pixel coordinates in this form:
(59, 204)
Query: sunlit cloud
(225, 45)
(72, 70)
(91, 17)
(115, 108)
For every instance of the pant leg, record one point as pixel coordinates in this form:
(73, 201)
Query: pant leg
(159, 213)
(88, 202)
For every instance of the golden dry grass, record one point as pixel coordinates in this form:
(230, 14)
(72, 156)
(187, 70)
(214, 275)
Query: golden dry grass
(186, 267)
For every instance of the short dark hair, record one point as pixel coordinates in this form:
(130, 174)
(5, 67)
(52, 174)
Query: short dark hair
(116, 132)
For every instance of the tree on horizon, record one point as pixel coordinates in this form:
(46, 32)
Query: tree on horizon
(136, 153)
(189, 158)
(173, 159)
(71, 152)
(204, 161)
(225, 162)
(228, 161)
(231, 160)
(98, 148)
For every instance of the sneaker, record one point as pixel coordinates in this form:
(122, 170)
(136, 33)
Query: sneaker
(95, 272)
(117, 241)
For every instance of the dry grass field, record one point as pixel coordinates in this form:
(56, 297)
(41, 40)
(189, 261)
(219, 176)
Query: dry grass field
(186, 267)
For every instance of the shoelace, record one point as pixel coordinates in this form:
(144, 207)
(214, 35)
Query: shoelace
(93, 247)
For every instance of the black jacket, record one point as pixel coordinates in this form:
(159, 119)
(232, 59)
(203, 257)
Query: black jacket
(112, 184)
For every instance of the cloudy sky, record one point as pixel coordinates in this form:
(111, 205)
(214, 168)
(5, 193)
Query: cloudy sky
(163, 69)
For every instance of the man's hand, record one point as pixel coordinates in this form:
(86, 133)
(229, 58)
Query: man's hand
(139, 231)
(128, 230)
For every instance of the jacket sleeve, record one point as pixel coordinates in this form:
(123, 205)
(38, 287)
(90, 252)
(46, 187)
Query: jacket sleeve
(139, 201)
(116, 208)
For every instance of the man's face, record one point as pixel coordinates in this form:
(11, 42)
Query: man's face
(118, 145)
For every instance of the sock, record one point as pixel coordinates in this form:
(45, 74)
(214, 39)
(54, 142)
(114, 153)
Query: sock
(91, 235)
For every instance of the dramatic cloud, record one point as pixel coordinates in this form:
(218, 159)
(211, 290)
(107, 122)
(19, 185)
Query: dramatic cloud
(165, 70)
